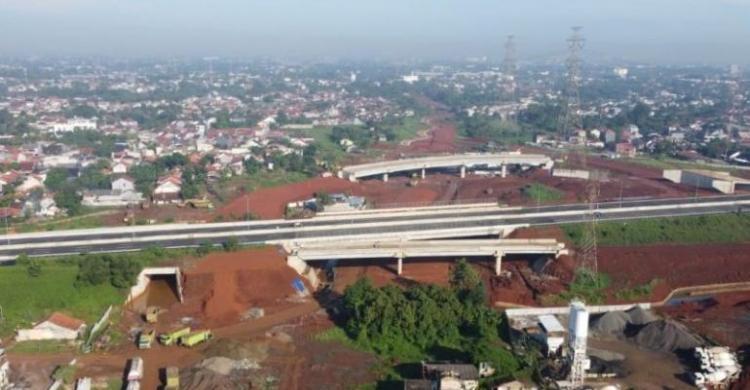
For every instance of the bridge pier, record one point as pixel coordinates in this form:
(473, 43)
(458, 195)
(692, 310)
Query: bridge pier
(503, 171)
(463, 171)
(498, 262)
(424, 173)
(399, 265)
(385, 177)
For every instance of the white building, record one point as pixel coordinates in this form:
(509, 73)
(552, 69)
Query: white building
(123, 184)
(73, 124)
(57, 327)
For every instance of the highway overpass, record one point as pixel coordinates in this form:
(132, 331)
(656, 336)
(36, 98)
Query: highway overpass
(400, 250)
(412, 223)
(460, 162)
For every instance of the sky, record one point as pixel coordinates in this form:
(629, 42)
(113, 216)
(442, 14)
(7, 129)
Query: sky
(651, 31)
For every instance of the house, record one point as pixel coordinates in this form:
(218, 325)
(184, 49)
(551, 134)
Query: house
(168, 189)
(625, 149)
(123, 183)
(57, 327)
(447, 376)
(30, 183)
(41, 206)
(119, 168)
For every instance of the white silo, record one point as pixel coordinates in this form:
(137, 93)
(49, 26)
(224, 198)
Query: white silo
(578, 330)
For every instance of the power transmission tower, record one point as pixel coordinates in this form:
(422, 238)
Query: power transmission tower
(510, 67)
(571, 122)
(572, 116)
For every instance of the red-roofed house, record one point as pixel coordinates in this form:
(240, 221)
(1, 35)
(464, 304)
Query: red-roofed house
(57, 327)
(168, 189)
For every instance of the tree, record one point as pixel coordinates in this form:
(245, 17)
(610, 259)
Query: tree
(123, 271)
(69, 199)
(93, 270)
(56, 179)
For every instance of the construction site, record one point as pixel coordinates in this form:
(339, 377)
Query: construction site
(585, 295)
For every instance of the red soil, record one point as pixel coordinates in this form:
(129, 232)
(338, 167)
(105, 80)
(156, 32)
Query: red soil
(223, 286)
(676, 265)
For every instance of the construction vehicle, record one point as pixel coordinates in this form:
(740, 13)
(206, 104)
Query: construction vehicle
(198, 204)
(172, 338)
(135, 373)
(152, 314)
(173, 378)
(195, 338)
(145, 339)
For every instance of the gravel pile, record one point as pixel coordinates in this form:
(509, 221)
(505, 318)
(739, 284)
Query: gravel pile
(612, 323)
(641, 316)
(666, 336)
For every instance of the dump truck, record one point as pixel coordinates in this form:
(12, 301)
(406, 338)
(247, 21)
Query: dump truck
(173, 378)
(195, 338)
(172, 338)
(145, 339)
(152, 314)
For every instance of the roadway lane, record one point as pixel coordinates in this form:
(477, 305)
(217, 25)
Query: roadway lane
(255, 226)
(531, 217)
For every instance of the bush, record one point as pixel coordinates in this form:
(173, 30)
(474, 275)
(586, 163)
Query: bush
(204, 249)
(231, 244)
(120, 271)
(34, 268)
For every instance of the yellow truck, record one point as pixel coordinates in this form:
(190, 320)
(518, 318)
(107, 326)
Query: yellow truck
(145, 339)
(173, 337)
(195, 338)
(173, 378)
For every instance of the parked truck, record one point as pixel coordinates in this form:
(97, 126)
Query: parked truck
(195, 338)
(146, 338)
(135, 373)
(173, 378)
(172, 338)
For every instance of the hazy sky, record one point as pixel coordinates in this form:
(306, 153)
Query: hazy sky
(679, 31)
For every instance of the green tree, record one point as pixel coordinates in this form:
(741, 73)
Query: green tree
(68, 199)
(56, 179)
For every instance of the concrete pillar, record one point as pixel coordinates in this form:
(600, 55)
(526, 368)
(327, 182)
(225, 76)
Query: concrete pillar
(503, 171)
(463, 171)
(424, 173)
(385, 177)
(400, 266)
(498, 262)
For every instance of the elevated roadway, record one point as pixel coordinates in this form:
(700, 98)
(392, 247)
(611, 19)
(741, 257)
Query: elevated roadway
(399, 250)
(460, 162)
(412, 224)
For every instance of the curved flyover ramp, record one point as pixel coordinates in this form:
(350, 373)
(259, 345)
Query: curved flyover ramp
(455, 161)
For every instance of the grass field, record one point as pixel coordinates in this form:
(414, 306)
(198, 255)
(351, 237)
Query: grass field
(670, 163)
(25, 299)
(409, 128)
(539, 193)
(724, 228)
